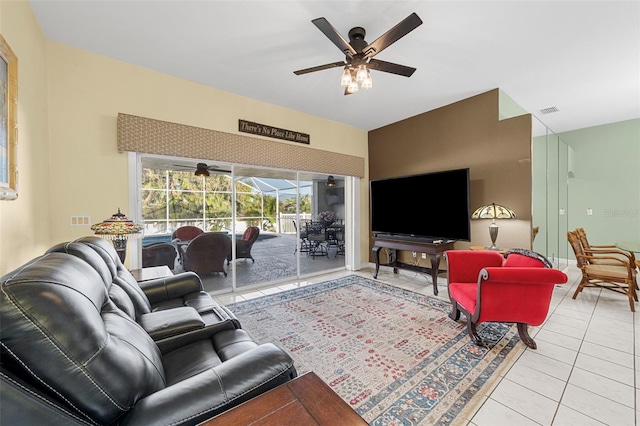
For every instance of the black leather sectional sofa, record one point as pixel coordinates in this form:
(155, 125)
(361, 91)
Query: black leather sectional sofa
(82, 343)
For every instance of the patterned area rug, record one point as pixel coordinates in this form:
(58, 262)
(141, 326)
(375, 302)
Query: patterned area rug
(395, 356)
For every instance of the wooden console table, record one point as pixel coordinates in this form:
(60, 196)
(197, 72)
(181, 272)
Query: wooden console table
(433, 250)
(305, 400)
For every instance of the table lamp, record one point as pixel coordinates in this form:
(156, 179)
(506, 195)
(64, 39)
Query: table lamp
(118, 229)
(493, 211)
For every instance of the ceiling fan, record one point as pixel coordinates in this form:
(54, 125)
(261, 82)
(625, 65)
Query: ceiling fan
(359, 54)
(203, 169)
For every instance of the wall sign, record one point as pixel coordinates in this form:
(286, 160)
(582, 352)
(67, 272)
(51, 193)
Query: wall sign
(272, 132)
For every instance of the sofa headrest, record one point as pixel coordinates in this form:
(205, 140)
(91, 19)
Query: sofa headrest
(59, 323)
(87, 254)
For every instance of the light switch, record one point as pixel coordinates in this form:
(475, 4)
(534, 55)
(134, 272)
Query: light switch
(589, 212)
(79, 220)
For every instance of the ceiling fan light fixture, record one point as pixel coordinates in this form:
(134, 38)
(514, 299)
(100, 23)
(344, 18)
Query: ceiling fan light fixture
(360, 54)
(201, 170)
(346, 77)
(367, 83)
(362, 73)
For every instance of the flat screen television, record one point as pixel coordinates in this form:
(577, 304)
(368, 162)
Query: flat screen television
(430, 206)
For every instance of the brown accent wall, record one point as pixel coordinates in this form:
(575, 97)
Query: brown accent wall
(464, 134)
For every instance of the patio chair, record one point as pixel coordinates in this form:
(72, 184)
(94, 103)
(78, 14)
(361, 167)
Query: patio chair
(159, 254)
(182, 236)
(206, 253)
(304, 241)
(316, 234)
(244, 244)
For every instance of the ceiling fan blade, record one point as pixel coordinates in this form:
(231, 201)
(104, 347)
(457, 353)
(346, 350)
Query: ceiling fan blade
(333, 35)
(378, 65)
(407, 25)
(217, 169)
(320, 67)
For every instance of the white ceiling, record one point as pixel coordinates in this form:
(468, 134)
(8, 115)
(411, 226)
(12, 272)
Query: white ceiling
(582, 57)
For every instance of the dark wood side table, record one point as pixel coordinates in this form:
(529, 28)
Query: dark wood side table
(305, 400)
(433, 250)
(151, 273)
(501, 251)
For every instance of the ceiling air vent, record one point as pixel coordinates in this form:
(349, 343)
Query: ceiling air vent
(549, 110)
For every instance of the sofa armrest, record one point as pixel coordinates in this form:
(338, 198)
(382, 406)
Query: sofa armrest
(216, 390)
(172, 287)
(170, 343)
(170, 322)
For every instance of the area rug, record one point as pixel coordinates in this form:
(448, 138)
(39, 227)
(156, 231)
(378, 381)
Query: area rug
(394, 355)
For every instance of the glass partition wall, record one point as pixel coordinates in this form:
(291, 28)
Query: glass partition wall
(550, 174)
(230, 199)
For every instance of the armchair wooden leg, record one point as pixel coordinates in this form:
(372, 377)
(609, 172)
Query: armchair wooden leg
(524, 335)
(471, 328)
(455, 312)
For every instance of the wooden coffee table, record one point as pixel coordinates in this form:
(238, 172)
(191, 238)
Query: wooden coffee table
(305, 400)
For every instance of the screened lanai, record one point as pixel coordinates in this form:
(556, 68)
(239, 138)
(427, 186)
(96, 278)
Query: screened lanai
(232, 198)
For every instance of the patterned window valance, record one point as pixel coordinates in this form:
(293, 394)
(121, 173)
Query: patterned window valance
(146, 135)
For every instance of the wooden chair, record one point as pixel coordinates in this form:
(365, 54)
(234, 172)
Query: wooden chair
(486, 287)
(610, 269)
(611, 249)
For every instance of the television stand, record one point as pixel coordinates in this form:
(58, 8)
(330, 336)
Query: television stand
(433, 250)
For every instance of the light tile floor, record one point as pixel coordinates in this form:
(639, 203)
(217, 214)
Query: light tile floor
(583, 372)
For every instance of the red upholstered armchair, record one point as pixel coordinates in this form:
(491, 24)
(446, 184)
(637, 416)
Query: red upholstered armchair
(487, 287)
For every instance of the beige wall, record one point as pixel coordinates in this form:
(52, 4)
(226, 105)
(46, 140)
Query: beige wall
(25, 226)
(69, 101)
(469, 134)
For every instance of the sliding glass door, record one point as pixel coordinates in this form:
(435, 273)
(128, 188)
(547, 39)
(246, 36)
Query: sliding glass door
(238, 201)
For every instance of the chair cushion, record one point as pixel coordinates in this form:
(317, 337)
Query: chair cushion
(610, 270)
(465, 294)
(250, 233)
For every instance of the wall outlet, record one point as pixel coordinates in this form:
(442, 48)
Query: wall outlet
(414, 254)
(424, 255)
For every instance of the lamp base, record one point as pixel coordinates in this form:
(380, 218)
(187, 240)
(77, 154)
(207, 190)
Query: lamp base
(120, 245)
